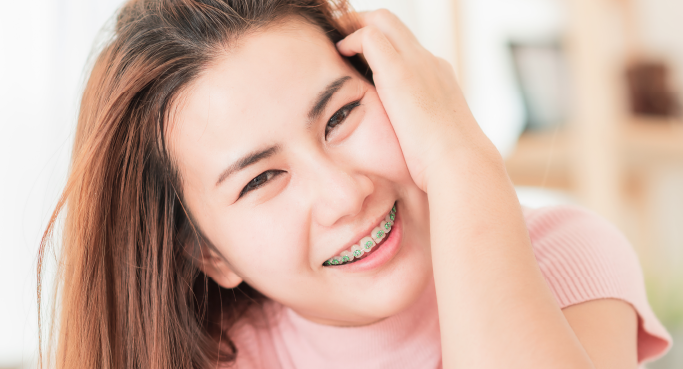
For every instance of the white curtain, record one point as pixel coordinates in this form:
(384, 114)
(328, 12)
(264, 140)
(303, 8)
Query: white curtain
(45, 45)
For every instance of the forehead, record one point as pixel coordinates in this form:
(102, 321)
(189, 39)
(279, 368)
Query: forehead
(268, 81)
(274, 65)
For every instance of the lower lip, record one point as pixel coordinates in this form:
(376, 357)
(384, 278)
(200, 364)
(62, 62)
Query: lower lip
(380, 256)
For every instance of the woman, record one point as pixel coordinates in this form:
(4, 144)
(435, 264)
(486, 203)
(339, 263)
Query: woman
(244, 191)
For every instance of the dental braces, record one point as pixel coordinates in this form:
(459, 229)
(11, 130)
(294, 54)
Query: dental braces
(366, 243)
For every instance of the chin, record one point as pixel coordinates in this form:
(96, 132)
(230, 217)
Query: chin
(374, 305)
(398, 288)
(374, 298)
(401, 294)
(410, 273)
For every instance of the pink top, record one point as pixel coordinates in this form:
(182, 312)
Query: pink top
(581, 256)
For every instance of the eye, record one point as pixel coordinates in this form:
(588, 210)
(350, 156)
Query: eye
(260, 180)
(339, 117)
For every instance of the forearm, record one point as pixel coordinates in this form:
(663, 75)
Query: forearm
(495, 309)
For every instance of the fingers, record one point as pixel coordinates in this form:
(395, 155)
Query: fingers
(395, 30)
(385, 42)
(381, 55)
(445, 66)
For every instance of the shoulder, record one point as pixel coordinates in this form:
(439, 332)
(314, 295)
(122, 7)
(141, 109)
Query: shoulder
(583, 257)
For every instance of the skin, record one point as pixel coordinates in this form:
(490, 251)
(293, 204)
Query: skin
(412, 139)
(258, 95)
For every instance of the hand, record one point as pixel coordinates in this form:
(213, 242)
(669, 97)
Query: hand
(481, 252)
(420, 94)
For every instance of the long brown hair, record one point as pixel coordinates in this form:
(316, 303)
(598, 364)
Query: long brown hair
(130, 292)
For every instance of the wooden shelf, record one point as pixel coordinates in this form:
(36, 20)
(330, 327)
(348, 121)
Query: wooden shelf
(541, 159)
(547, 159)
(653, 139)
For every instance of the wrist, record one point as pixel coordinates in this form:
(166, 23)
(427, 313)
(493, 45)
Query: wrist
(463, 167)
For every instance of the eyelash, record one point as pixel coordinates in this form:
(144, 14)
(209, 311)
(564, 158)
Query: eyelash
(339, 116)
(342, 114)
(269, 174)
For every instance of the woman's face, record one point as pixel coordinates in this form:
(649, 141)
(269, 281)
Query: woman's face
(283, 170)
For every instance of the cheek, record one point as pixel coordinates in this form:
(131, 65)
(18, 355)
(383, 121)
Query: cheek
(378, 144)
(257, 241)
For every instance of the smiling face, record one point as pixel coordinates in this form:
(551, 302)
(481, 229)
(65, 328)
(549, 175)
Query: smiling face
(288, 159)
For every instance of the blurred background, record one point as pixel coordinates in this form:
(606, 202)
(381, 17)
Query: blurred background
(582, 97)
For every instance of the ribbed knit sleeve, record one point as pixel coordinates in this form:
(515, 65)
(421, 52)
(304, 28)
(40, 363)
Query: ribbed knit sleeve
(583, 258)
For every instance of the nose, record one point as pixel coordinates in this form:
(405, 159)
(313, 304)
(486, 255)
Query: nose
(339, 192)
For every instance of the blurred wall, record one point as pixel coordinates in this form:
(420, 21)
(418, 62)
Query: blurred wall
(661, 28)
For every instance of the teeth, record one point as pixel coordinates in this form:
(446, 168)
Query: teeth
(366, 243)
(378, 234)
(346, 256)
(389, 219)
(357, 251)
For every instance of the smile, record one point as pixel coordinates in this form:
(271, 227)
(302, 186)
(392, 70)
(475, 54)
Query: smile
(367, 243)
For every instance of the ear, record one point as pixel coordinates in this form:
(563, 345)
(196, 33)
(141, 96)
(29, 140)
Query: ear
(216, 267)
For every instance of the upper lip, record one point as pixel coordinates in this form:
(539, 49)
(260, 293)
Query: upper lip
(364, 233)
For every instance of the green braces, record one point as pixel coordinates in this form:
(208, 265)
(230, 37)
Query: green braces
(368, 245)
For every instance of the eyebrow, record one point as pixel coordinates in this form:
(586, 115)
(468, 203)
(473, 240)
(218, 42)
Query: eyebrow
(247, 160)
(324, 97)
(256, 156)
